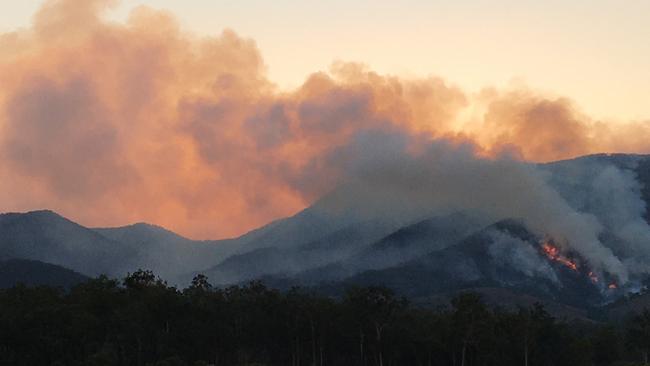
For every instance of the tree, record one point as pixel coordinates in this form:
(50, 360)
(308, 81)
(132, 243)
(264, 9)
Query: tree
(529, 321)
(200, 282)
(606, 345)
(639, 334)
(374, 308)
(469, 317)
(142, 279)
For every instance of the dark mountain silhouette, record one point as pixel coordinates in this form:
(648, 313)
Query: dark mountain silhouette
(48, 237)
(37, 273)
(164, 252)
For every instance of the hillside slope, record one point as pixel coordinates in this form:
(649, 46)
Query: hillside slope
(37, 273)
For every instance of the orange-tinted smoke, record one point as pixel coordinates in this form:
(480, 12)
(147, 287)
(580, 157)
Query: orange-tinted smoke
(113, 123)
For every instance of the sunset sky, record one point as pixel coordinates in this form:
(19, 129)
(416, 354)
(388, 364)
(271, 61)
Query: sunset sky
(596, 52)
(213, 117)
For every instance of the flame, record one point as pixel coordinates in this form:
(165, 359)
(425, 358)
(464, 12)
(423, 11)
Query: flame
(553, 253)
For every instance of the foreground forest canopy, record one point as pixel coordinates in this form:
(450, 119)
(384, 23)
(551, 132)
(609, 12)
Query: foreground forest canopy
(143, 321)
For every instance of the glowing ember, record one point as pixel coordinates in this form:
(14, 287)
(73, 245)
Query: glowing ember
(553, 253)
(612, 286)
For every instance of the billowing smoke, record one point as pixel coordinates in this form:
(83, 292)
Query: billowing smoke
(515, 253)
(387, 180)
(111, 123)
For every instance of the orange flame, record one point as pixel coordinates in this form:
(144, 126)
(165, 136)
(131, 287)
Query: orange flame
(553, 253)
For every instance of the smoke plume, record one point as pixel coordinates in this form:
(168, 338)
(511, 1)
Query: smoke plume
(112, 123)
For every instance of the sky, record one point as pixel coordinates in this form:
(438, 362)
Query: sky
(212, 118)
(596, 52)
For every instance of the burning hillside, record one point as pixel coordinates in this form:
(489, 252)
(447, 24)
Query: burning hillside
(553, 253)
(571, 262)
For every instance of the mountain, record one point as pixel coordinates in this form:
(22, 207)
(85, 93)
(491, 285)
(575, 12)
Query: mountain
(36, 273)
(167, 254)
(598, 198)
(504, 254)
(48, 237)
(410, 239)
(288, 260)
(385, 250)
(45, 236)
(414, 240)
(626, 307)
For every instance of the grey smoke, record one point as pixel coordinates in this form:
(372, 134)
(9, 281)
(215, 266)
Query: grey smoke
(520, 255)
(387, 180)
(612, 193)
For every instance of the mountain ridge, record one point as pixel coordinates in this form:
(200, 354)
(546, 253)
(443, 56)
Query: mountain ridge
(336, 241)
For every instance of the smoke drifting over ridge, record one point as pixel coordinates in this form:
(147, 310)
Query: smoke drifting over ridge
(113, 123)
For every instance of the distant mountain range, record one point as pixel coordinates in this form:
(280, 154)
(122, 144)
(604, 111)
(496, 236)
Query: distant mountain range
(338, 242)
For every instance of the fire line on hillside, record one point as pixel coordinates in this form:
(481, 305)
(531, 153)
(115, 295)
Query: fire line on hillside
(553, 253)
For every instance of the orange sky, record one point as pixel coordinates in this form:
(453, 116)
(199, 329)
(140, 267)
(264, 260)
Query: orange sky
(596, 52)
(114, 122)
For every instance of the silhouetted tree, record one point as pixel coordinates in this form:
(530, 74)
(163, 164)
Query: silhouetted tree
(470, 315)
(639, 334)
(143, 321)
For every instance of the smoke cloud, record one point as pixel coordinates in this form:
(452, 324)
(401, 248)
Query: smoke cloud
(447, 177)
(111, 123)
(521, 256)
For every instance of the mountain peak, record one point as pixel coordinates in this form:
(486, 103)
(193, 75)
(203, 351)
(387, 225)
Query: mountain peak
(36, 215)
(140, 229)
(42, 213)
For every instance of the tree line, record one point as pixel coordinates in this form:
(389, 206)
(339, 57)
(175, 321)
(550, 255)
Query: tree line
(143, 321)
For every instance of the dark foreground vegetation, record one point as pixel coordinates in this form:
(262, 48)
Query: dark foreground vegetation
(142, 321)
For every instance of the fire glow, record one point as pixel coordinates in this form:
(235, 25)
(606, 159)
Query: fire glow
(553, 253)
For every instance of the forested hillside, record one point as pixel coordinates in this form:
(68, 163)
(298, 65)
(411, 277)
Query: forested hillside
(142, 321)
